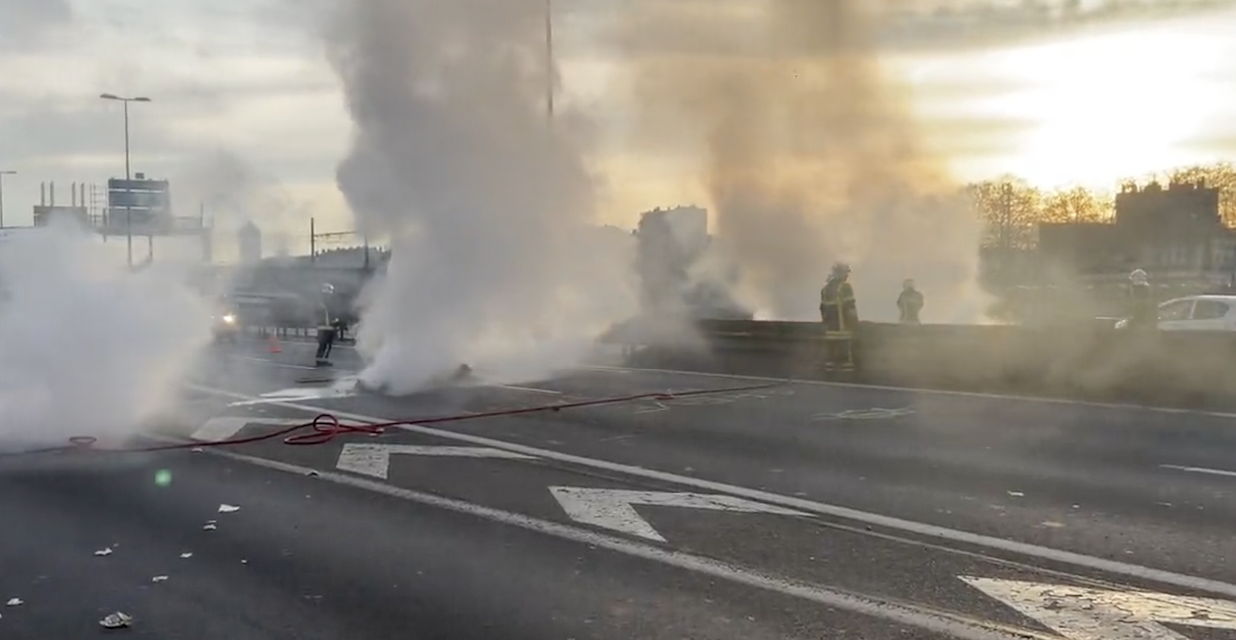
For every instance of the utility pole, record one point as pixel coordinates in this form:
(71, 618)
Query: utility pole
(549, 61)
(128, 175)
(2, 174)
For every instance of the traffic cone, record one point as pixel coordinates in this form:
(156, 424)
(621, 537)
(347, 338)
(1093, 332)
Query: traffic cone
(273, 343)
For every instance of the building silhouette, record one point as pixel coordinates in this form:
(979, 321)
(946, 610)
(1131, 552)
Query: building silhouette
(249, 241)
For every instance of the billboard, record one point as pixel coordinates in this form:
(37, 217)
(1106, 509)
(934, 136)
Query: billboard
(143, 205)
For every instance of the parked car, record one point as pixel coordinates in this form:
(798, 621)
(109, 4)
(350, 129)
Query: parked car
(1196, 313)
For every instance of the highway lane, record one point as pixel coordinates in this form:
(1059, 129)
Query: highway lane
(307, 558)
(606, 521)
(1081, 477)
(1021, 476)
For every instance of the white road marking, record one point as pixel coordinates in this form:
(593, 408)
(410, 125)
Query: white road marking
(955, 625)
(1213, 472)
(936, 392)
(614, 508)
(864, 414)
(374, 460)
(344, 387)
(276, 363)
(920, 528)
(216, 429)
(1082, 613)
(514, 387)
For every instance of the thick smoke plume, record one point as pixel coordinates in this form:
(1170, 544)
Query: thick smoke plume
(811, 155)
(483, 201)
(86, 346)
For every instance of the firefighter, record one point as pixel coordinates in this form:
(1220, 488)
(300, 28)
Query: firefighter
(1143, 312)
(327, 327)
(839, 313)
(910, 302)
(837, 306)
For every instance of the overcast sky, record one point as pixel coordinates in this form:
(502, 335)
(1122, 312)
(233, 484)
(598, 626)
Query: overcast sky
(246, 112)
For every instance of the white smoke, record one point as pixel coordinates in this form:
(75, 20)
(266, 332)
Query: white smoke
(485, 204)
(87, 347)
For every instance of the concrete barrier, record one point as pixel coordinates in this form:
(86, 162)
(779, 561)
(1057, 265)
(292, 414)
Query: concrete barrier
(1085, 360)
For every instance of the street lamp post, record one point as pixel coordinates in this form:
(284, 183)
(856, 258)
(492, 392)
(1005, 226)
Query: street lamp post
(2, 174)
(128, 176)
(549, 61)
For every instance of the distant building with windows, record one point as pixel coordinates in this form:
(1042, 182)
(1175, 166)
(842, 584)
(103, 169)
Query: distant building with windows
(1174, 233)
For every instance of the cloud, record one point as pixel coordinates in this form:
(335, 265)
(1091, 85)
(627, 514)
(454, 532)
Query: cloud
(27, 22)
(723, 27)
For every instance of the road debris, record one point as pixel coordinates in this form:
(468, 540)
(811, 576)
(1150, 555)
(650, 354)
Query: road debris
(14, 602)
(118, 620)
(186, 555)
(159, 579)
(105, 551)
(210, 525)
(228, 508)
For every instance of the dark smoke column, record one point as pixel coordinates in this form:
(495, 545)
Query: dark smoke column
(454, 161)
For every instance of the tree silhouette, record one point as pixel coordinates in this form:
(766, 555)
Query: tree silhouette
(1011, 208)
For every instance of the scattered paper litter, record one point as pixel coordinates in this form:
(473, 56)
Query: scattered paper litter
(14, 602)
(211, 525)
(186, 555)
(159, 579)
(228, 508)
(106, 551)
(1017, 494)
(117, 620)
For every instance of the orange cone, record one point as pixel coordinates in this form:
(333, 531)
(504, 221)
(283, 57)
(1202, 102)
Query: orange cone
(273, 343)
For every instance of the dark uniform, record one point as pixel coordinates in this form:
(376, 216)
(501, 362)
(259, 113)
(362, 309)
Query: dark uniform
(839, 313)
(910, 303)
(327, 327)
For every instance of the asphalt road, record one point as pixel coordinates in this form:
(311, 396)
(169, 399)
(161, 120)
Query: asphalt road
(791, 510)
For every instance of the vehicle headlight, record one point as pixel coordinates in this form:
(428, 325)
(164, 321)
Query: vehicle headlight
(229, 318)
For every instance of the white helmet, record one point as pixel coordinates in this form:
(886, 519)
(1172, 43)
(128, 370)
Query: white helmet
(328, 288)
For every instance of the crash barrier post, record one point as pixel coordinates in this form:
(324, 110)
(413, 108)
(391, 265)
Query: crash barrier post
(1087, 359)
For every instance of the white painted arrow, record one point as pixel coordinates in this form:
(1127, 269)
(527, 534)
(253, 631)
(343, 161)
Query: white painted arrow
(1081, 613)
(615, 508)
(216, 429)
(375, 459)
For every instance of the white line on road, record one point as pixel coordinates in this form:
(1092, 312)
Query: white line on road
(614, 509)
(1213, 472)
(954, 625)
(938, 392)
(515, 387)
(1083, 613)
(216, 429)
(374, 460)
(276, 363)
(943, 533)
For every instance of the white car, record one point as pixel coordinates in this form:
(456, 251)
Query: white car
(1196, 313)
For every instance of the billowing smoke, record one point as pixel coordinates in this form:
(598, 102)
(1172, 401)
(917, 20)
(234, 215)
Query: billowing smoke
(483, 202)
(811, 155)
(234, 192)
(86, 346)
